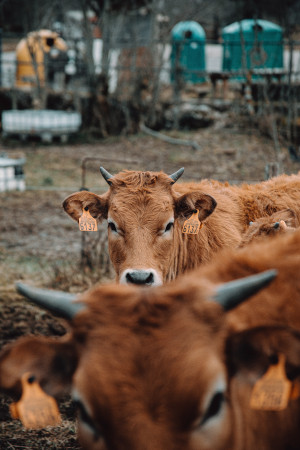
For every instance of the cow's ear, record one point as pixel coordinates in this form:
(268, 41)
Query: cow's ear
(250, 353)
(289, 217)
(96, 204)
(51, 362)
(187, 203)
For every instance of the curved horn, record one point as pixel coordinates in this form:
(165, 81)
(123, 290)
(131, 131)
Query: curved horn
(59, 303)
(231, 294)
(106, 175)
(176, 175)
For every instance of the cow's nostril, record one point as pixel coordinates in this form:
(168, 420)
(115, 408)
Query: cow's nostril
(129, 278)
(150, 278)
(140, 277)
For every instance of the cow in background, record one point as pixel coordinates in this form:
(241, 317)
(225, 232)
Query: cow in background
(173, 367)
(284, 221)
(145, 212)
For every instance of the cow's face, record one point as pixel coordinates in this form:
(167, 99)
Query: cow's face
(169, 402)
(141, 234)
(160, 384)
(145, 217)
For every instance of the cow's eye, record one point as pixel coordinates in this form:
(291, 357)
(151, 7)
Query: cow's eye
(89, 422)
(214, 407)
(169, 226)
(112, 226)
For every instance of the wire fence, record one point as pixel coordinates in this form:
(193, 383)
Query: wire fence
(163, 58)
(128, 83)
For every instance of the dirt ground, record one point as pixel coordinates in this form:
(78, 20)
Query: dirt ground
(41, 245)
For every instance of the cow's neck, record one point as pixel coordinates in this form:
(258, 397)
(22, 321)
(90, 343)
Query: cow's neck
(191, 251)
(184, 254)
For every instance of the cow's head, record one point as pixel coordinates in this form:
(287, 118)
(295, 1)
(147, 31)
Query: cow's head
(280, 222)
(145, 216)
(146, 369)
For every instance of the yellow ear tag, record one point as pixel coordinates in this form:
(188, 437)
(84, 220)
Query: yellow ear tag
(273, 390)
(193, 224)
(35, 409)
(87, 222)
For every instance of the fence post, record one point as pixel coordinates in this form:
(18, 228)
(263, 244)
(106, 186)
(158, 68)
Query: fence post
(271, 170)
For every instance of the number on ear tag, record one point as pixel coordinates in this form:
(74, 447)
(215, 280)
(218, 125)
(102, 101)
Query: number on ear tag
(87, 222)
(273, 390)
(35, 409)
(193, 224)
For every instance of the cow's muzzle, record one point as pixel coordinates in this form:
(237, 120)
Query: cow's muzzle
(147, 277)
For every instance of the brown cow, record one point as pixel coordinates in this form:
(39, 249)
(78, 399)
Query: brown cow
(145, 215)
(167, 367)
(284, 221)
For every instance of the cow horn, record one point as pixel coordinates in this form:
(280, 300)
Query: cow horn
(231, 294)
(106, 175)
(59, 303)
(176, 175)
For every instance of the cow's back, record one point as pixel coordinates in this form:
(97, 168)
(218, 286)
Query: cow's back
(265, 198)
(279, 304)
(248, 202)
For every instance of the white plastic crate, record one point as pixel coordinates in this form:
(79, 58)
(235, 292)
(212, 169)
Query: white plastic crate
(11, 174)
(45, 123)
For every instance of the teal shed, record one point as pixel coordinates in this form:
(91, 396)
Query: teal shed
(261, 40)
(188, 51)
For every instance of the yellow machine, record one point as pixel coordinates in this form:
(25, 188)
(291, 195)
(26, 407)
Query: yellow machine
(38, 56)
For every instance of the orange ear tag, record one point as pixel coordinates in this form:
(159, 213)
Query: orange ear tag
(193, 224)
(35, 409)
(273, 390)
(87, 222)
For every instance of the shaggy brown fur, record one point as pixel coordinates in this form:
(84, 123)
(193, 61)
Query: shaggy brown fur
(167, 368)
(142, 203)
(284, 221)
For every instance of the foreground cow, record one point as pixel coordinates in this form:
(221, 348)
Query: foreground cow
(168, 367)
(284, 221)
(145, 215)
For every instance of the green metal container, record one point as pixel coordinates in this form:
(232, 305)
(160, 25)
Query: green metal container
(252, 44)
(188, 52)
